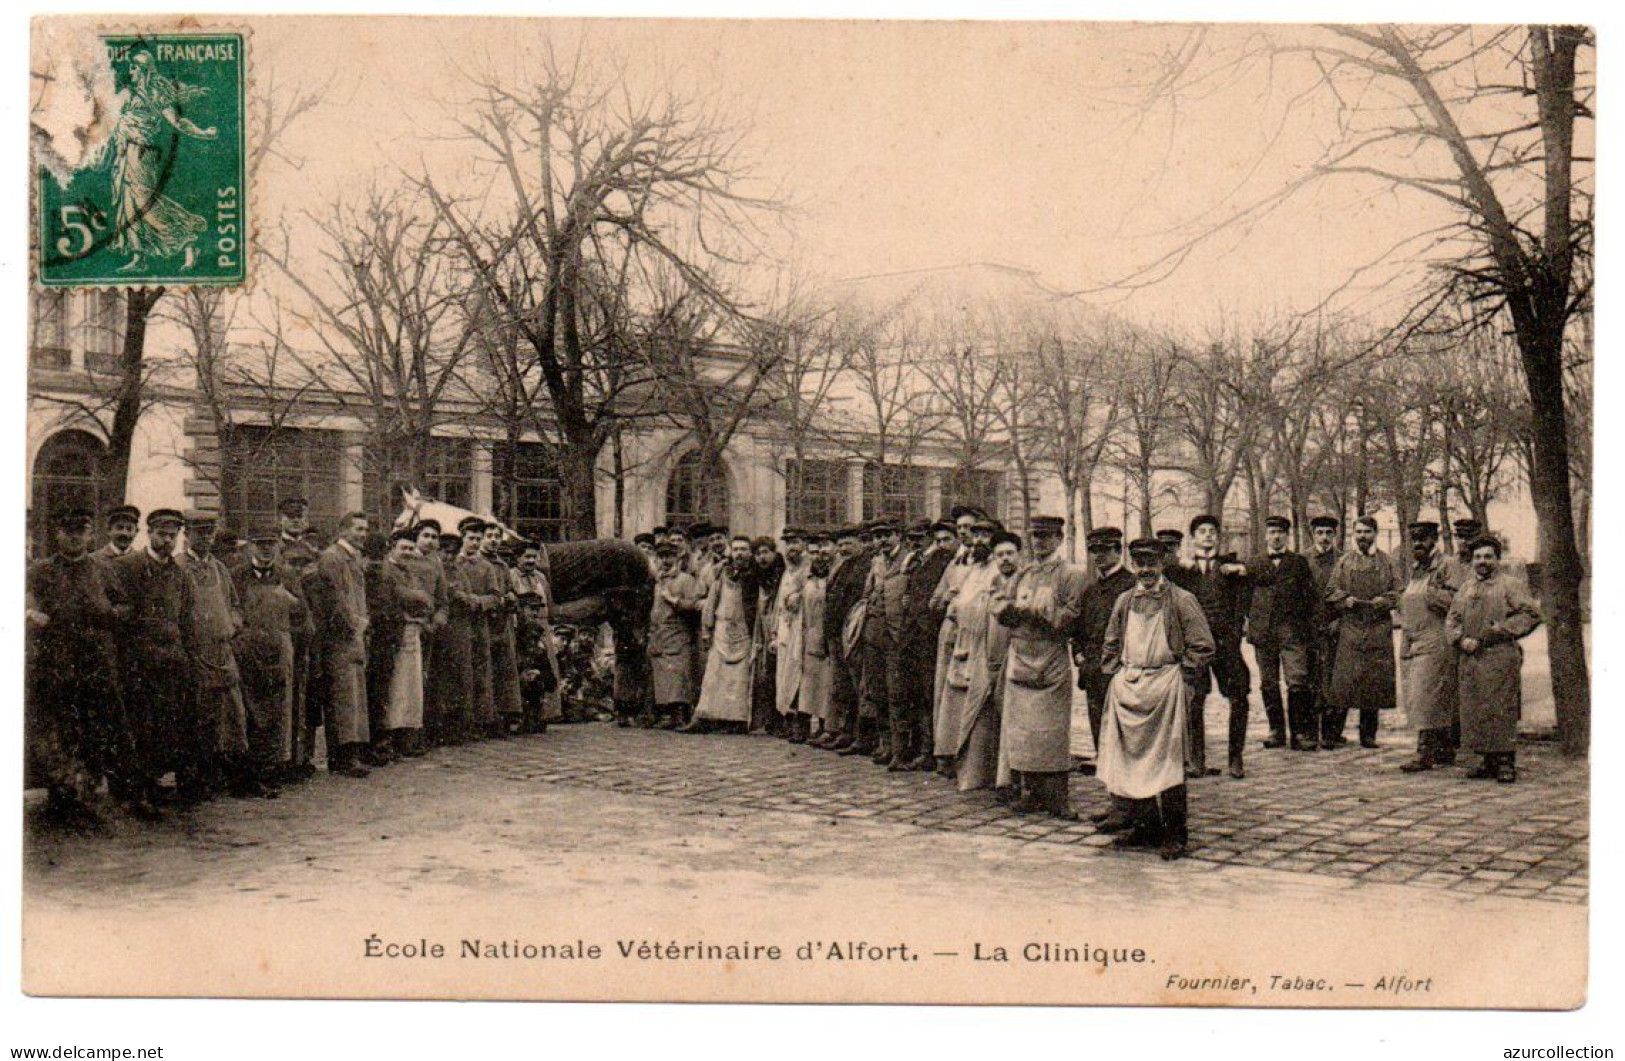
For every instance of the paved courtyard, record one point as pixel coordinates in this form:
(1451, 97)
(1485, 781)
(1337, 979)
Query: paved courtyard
(1347, 814)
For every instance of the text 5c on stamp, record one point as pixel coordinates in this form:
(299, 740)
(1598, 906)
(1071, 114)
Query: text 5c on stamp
(160, 198)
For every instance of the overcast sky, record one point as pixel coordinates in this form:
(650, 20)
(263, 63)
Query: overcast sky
(904, 145)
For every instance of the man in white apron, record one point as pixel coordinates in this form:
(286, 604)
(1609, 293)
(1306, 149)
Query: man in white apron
(1157, 649)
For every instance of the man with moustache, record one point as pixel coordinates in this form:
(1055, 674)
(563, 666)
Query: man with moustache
(1426, 659)
(881, 635)
(1157, 645)
(1039, 606)
(674, 635)
(123, 523)
(338, 598)
(766, 576)
(1323, 649)
(1110, 580)
(484, 594)
(1365, 589)
(1281, 625)
(842, 595)
(812, 700)
(944, 704)
(510, 707)
(788, 636)
(1219, 584)
(531, 576)
(975, 680)
(153, 598)
(75, 731)
(728, 619)
(1488, 617)
(220, 756)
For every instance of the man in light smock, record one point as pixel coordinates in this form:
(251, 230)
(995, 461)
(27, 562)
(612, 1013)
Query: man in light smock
(727, 621)
(1487, 618)
(976, 678)
(1427, 662)
(1157, 647)
(1039, 606)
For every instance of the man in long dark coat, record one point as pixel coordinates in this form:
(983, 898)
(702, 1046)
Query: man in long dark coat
(504, 660)
(1323, 650)
(220, 749)
(155, 601)
(1218, 581)
(272, 613)
(921, 628)
(338, 600)
(76, 732)
(450, 688)
(1488, 617)
(1110, 579)
(1365, 588)
(484, 594)
(1281, 626)
(843, 591)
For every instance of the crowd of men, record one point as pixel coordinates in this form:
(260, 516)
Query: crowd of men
(214, 665)
(952, 647)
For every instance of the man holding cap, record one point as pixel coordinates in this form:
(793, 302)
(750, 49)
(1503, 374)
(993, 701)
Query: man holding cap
(1039, 606)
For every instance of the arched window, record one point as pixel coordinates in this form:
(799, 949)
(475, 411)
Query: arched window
(68, 473)
(696, 492)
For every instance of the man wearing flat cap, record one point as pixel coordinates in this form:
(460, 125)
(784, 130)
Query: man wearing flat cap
(75, 729)
(975, 681)
(1111, 578)
(1488, 617)
(1039, 607)
(1365, 588)
(1281, 625)
(1157, 646)
(154, 598)
(936, 547)
(674, 626)
(944, 701)
(787, 633)
(883, 631)
(123, 523)
(1455, 570)
(1323, 556)
(294, 530)
(220, 756)
(1426, 659)
(843, 603)
(273, 614)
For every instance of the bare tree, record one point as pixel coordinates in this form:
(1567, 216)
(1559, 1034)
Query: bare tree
(1144, 444)
(1076, 405)
(580, 167)
(383, 313)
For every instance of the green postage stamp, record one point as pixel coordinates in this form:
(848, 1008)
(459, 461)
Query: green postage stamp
(159, 196)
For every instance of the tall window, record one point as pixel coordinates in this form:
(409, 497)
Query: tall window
(529, 496)
(895, 492)
(696, 493)
(815, 493)
(50, 347)
(974, 486)
(68, 473)
(100, 331)
(448, 475)
(265, 466)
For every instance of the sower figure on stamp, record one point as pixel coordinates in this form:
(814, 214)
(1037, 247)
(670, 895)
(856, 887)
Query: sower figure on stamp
(1157, 646)
(1281, 626)
(1487, 619)
(1365, 587)
(1039, 606)
(1323, 559)
(1111, 580)
(1218, 582)
(1427, 661)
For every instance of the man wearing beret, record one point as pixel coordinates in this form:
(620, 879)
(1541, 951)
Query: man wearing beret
(1281, 625)
(76, 733)
(1365, 589)
(154, 598)
(1157, 646)
(1039, 606)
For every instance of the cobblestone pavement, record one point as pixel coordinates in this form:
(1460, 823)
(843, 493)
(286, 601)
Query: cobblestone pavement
(1348, 815)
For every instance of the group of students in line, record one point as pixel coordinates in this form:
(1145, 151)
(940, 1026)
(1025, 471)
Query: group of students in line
(953, 646)
(216, 664)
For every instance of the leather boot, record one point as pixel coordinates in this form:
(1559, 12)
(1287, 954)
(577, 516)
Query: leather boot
(1238, 738)
(1486, 769)
(799, 725)
(1276, 718)
(1172, 805)
(1426, 740)
(1056, 797)
(1301, 719)
(1196, 738)
(1506, 768)
(1369, 718)
(902, 755)
(863, 739)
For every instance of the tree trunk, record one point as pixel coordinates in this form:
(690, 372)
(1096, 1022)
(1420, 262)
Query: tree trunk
(620, 485)
(1561, 570)
(128, 403)
(577, 467)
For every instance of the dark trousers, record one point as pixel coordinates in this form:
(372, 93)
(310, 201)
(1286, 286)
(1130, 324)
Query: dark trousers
(1333, 719)
(846, 674)
(1095, 686)
(1288, 662)
(1165, 816)
(1228, 672)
